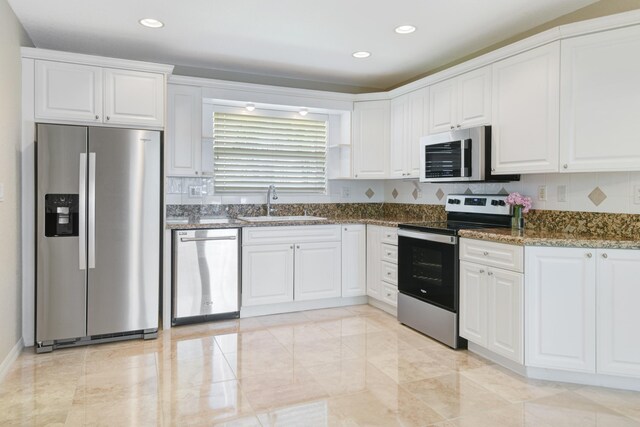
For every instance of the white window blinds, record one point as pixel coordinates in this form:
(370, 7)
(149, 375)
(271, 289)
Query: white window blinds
(251, 152)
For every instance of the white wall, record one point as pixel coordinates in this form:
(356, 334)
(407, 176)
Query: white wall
(12, 36)
(618, 187)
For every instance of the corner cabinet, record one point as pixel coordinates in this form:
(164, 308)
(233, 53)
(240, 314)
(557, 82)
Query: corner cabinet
(582, 310)
(68, 92)
(461, 102)
(408, 124)
(354, 260)
(492, 297)
(382, 265)
(525, 118)
(371, 137)
(600, 102)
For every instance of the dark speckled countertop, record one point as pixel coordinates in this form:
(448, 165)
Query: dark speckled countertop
(234, 223)
(533, 237)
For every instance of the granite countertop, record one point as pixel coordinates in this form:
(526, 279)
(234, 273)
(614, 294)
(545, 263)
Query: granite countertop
(532, 237)
(234, 223)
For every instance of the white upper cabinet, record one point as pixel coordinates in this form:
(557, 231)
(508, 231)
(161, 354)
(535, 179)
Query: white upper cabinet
(184, 130)
(408, 124)
(133, 98)
(371, 139)
(600, 102)
(68, 92)
(525, 118)
(461, 102)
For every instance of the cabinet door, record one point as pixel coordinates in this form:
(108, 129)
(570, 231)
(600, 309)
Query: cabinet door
(371, 140)
(600, 102)
(442, 106)
(318, 272)
(267, 274)
(618, 314)
(560, 294)
(133, 98)
(525, 118)
(505, 323)
(183, 148)
(374, 261)
(68, 92)
(397, 154)
(473, 303)
(474, 98)
(354, 261)
(417, 115)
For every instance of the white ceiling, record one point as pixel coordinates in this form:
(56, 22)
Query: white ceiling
(295, 39)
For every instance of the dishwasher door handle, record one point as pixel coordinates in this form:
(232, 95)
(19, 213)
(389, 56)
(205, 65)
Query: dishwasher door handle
(204, 239)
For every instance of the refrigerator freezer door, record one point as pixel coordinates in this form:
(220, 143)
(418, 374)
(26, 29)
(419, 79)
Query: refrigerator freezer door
(124, 256)
(60, 274)
(206, 279)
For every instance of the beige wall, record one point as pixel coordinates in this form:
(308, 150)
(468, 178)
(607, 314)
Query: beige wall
(594, 10)
(12, 36)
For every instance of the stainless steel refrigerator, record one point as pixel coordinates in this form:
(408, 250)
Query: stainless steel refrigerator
(98, 195)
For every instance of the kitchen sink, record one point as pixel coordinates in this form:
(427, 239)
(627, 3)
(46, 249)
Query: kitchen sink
(280, 218)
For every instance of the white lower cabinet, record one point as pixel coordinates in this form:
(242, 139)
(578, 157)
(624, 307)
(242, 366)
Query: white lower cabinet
(354, 260)
(382, 264)
(374, 263)
(491, 309)
(285, 264)
(582, 310)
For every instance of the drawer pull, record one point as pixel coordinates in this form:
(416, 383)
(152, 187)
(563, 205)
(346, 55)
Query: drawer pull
(589, 255)
(388, 273)
(485, 253)
(481, 271)
(605, 256)
(490, 273)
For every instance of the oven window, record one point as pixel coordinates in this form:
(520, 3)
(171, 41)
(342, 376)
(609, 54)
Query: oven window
(445, 160)
(427, 270)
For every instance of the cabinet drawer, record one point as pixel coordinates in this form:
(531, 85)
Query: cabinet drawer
(295, 234)
(390, 273)
(390, 236)
(390, 253)
(390, 294)
(509, 257)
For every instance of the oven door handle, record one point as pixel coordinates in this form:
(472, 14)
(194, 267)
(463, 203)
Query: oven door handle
(431, 237)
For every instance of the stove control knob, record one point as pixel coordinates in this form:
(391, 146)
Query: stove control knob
(457, 201)
(501, 202)
(494, 203)
(450, 201)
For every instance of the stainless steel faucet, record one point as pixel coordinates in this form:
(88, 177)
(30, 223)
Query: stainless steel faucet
(271, 195)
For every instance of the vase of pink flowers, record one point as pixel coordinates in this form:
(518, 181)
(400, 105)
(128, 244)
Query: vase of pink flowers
(521, 205)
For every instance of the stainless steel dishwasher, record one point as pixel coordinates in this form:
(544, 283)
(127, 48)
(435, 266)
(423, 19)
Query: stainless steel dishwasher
(205, 282)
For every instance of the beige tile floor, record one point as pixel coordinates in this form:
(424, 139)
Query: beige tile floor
(352, 366)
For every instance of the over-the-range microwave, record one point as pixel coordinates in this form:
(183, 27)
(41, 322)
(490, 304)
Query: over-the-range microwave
(459, 155)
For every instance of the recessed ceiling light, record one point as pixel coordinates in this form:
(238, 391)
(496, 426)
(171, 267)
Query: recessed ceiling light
(405, 29)
(361, 54)
(303, 111)
(250, 106)
(151, 23)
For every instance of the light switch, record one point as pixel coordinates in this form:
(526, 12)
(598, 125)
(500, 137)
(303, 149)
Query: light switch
(1, 192)
(562, 193)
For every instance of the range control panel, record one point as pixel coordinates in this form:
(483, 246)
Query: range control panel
(494, 204)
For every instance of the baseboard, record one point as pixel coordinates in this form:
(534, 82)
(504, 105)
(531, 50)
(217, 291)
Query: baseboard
(498, 358)
(289, 307)
(383, 306)
(11, 357)
(624, 383)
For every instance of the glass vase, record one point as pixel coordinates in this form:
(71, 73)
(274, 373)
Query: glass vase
(517, 220)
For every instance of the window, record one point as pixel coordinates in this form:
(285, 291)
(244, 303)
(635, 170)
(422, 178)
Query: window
(253, 151)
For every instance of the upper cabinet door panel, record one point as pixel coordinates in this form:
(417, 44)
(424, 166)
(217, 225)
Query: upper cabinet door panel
(371, 138)
(525, 119)
(134, 98)
(68, 92)
(474, 98)
(397, 154)
(418, 118)
(184, 141)
(442, 106)
(600, 101)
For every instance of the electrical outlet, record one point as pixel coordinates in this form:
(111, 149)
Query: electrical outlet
(636, 194)
(346, 191)
(418, 193)
(195, 191)
(562, 193)
(542, 193)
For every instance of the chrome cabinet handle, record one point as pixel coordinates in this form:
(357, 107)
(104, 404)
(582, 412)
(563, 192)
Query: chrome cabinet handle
(485, 253)
(458, 126)
(108, 118)
(205, 239)
(291, 247)
(388, 273)
(589, 255)
(490, 274)
(481, 271)
(452, 127)
(97, 117)
(565, 166)
(298, 247)
(605, 255)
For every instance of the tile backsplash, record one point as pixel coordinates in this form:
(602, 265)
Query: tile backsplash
(611, 192)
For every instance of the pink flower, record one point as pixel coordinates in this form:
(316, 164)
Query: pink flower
(517, 199)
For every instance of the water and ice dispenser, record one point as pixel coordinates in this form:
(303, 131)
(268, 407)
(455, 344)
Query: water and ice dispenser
(61, 215)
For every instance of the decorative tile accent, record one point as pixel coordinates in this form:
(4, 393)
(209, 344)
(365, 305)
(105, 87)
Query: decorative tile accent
(369, 193)
(597, 196)
(414, 193)
(394, 193)
(439, 194)
(503, 191)
(468, 191)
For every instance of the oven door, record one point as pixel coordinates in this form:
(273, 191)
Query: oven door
(428, 268)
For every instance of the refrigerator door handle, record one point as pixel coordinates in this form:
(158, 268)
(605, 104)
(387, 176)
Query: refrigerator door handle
(92, 210)
(82, 225)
